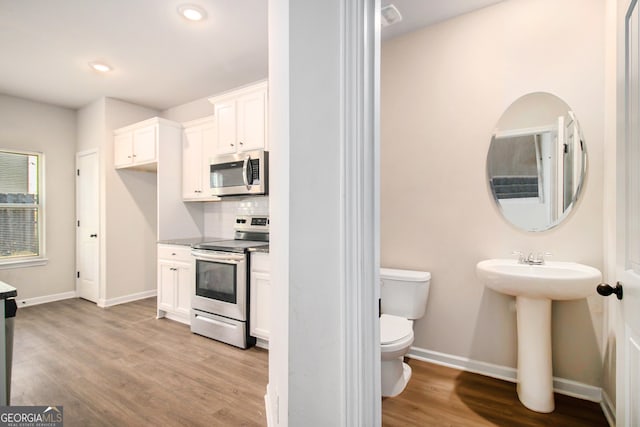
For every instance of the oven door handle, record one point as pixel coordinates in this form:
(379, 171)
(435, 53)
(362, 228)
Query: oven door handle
(222, 258)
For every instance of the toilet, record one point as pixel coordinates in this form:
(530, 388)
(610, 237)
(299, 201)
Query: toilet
(403, 296)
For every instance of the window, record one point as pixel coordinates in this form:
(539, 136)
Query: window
(21, 220)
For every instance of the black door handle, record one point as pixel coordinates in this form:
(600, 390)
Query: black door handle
(93, 235)
(605, 289)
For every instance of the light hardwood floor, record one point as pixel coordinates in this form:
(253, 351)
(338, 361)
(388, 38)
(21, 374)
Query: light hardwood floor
(440, 396)
(121, 366)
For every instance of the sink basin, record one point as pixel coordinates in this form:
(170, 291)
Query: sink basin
(553, 280)
(534, 286)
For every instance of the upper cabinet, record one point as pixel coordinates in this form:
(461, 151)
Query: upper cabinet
(156, 145)
(241, 119)
(136, 146)
(198, 146)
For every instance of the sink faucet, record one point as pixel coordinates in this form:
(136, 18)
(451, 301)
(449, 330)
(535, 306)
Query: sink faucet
(532, 258)
(537, 259)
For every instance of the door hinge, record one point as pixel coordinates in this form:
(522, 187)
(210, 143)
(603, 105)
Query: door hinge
(78, 171)
(78, 274)
(78, 223)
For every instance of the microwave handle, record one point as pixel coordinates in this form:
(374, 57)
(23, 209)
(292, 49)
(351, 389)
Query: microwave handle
(245, 167)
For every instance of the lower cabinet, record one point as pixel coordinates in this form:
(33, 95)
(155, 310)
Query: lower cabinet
(260, 302)
(176, 282)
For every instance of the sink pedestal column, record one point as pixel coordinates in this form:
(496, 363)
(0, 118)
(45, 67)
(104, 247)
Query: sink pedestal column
(535, 374)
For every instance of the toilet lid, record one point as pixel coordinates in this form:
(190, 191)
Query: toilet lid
(394, 328)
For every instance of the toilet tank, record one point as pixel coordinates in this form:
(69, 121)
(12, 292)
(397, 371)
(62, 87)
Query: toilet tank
(404, 293)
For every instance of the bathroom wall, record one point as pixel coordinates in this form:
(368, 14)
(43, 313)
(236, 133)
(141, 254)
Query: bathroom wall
(443, 90)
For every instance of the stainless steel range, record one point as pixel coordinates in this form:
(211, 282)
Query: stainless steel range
(220, 306)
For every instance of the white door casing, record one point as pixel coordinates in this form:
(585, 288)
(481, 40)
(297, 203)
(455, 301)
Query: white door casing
(324, 91)
(87, 225)
(628, 223)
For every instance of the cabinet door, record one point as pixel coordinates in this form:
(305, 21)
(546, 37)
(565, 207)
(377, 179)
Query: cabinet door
(225, 113)
(252, 120)
(260, 313)
(166, 286)
(185, 288)
(123, 149)
(144, 144)
(192, 163)
(208, 151)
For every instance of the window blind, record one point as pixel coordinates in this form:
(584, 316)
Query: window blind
(19, 205)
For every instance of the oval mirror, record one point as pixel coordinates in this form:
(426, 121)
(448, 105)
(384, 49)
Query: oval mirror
(537, 162)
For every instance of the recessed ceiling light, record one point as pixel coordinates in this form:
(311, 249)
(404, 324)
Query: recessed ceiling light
(192, 12)
(100, 66)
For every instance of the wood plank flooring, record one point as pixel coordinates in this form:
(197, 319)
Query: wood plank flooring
(121, 366)
(441, 396)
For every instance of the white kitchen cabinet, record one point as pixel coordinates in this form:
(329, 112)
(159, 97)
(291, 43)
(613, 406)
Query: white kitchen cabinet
(260, 301)
(241, 119)
(176, 282)
(137, 146)
(123, 149)
(198, 146)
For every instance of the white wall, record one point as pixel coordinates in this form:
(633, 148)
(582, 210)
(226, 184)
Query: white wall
(33, 126)
(127, 203)
(190, 111)
(443, 90)
(130, 212)
(90, 132)
(278, 390)
(324, 363)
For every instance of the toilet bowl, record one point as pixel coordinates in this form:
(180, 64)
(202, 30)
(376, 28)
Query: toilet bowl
(404, 296)
(396, 337)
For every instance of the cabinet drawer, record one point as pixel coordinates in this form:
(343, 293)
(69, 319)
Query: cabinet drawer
(260, 262)
(174, 252)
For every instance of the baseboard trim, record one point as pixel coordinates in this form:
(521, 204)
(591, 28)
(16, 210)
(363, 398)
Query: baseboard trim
(608, 408)
(267, 406)
(264, 344)
(46, 298)
(178, 318)
(126, 298)
(560, 385)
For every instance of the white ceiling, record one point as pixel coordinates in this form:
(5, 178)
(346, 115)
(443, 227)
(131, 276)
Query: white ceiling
(160, 60)
(418, 14)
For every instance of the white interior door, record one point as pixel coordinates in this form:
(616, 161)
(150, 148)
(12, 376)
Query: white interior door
(628, 195)
(87, 213)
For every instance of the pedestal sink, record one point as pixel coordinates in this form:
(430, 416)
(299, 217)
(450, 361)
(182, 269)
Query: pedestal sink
(534, 287)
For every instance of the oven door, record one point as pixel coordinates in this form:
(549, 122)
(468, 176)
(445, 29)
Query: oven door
(221, 283)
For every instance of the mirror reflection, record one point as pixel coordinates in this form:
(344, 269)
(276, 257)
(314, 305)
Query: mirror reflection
(536, 162)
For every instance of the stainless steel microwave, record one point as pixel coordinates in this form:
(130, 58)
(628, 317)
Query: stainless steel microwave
(245, 173)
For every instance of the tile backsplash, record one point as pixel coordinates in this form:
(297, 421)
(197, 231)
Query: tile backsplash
(219, 216)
